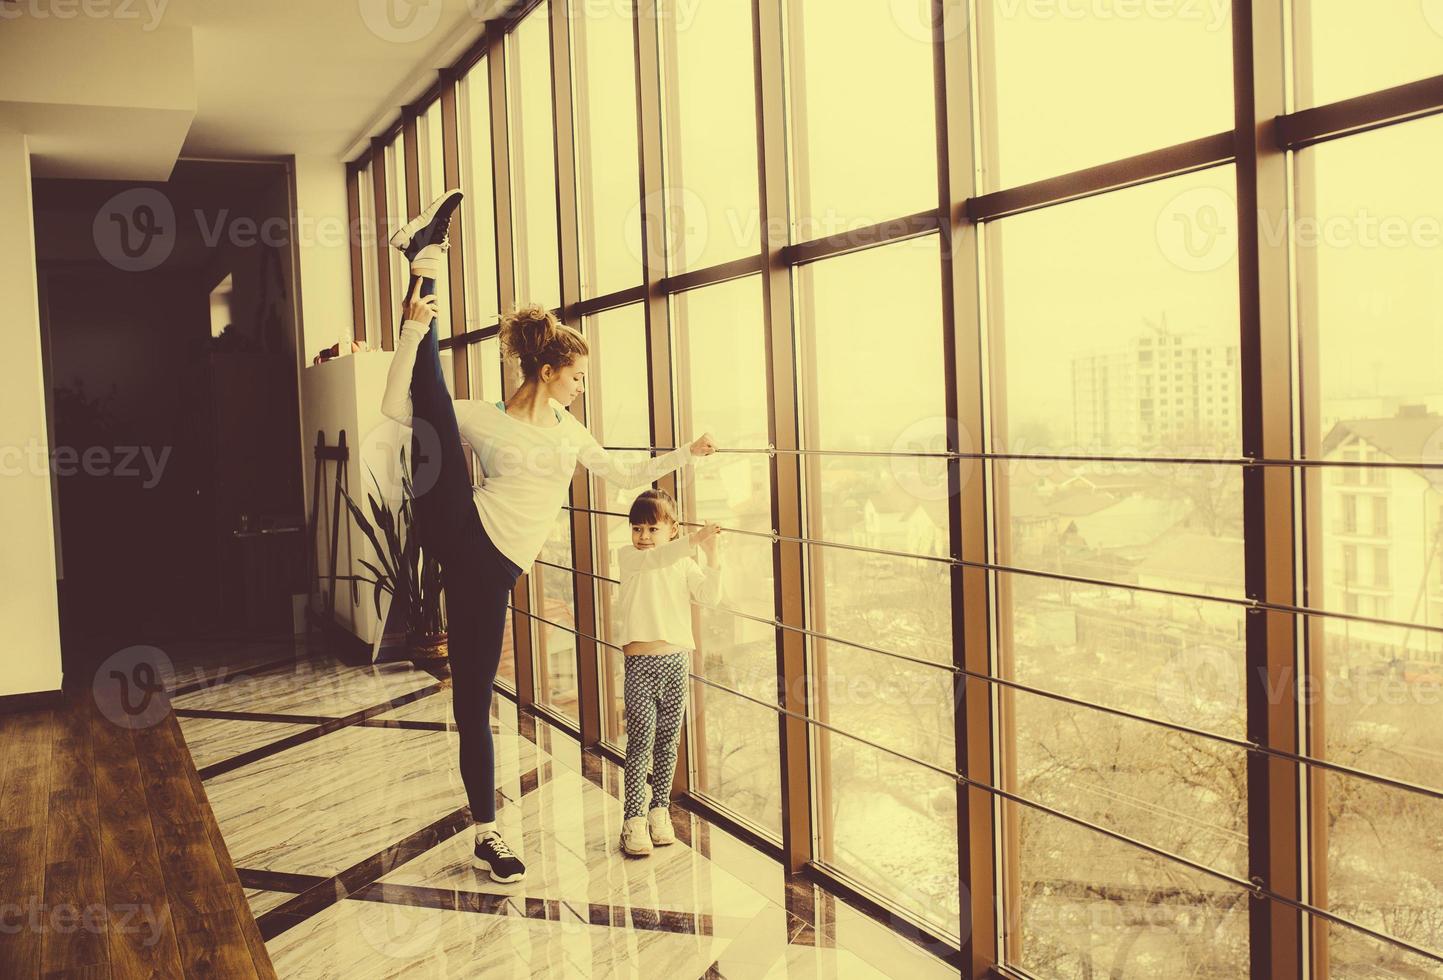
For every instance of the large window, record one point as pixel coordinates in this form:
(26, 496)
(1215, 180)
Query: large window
(479, 212)
(533, 160)
(432, 160)
(871, 372)
(736, 739)
(603, 46)
(1063, 90)
(710, 124)
(864, 138)
(1369, 232)
(621, 420)
(1106, 498)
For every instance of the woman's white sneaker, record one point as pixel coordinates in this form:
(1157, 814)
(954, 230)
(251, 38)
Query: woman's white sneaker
(658, 824)
(635, 838)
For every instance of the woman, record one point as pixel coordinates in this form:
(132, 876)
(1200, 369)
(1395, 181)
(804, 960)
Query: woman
(485, 535)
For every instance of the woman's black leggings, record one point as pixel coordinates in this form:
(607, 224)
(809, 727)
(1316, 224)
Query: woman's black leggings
(476, 576)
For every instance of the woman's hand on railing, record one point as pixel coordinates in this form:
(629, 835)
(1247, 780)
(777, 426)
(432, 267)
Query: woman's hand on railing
(703, 446)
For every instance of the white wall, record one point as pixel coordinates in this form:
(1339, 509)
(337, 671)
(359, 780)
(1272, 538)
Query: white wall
(345, 393)
(29, 607)
(324, 254)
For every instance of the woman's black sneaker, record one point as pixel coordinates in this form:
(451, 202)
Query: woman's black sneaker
(493, 855)
(429, 227)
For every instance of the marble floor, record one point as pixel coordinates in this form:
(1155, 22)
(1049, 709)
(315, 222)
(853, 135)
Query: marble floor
(336, 789)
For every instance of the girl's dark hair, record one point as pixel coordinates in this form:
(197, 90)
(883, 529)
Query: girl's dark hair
(534, 336)
(653, 507)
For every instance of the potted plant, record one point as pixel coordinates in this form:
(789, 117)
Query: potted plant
(412, 580)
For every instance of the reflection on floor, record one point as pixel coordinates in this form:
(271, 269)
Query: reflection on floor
(337, 792)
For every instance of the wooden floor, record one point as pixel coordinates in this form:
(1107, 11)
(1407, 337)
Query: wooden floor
(111, 863)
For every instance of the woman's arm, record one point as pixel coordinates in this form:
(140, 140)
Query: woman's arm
(396, 401)
(629, 474)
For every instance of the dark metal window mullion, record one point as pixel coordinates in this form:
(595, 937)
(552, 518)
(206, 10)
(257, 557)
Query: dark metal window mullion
(1275, 810)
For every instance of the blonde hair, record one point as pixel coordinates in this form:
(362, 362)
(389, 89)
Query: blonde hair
(534, 336)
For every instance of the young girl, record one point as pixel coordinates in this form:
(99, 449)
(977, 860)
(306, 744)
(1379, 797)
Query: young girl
(659, 577)
(486, 536)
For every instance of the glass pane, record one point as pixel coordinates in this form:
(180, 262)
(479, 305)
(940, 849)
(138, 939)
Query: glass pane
(864, 137)
(479, 212)
(553, 598)
(1127, 346)
(1385, 869)
(1184, 794)
(398, 215)
(1183, 658)
(1091, 906)
(890, 824)
(506, 669)
(619, 410)
(374, 315)
(1369, 231)
(871, 311)
(1158, 525)
(738, 751)
(1404, 42)
(1061, 84)
(710, 133)
(901, 605)
(431, 153)
(533, 160)
(607, 169)
(485, 368)
(722, 324)
(618, 400)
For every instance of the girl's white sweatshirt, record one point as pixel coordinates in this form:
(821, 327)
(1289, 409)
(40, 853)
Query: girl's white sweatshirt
(526, 468)
(657, 586)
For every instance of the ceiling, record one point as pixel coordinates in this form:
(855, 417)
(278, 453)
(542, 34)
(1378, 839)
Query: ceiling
(124, 91)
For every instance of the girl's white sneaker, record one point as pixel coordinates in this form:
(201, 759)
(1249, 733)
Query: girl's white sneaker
(658, 824)
(635, 840)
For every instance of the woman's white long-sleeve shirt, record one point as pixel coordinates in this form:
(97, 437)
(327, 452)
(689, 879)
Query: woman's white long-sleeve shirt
(526, 468)
(657, 586)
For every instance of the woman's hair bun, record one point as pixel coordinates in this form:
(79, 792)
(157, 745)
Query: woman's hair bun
(534, 336)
